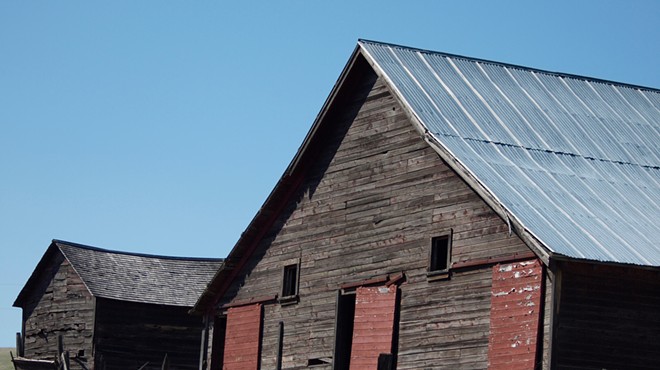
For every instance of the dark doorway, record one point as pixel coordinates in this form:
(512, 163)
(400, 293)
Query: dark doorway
(218, 349)
(344, 330)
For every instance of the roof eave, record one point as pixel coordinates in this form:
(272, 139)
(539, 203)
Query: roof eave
(19, 301)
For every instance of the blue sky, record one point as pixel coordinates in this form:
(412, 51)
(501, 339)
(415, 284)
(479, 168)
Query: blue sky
(161, 126)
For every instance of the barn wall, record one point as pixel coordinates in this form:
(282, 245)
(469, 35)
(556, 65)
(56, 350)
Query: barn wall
(607, 318)
(515, 315)
(369, 205)
(65, 308)
(129, 334)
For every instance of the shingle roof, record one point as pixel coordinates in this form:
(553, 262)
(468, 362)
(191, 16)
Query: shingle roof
(574, 160)
(172, 281)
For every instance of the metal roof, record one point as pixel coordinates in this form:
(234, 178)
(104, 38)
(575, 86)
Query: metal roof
(574, 160)
(143, 278)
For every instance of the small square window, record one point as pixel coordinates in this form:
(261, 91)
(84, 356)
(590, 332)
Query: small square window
(440, 254)
(290, 281)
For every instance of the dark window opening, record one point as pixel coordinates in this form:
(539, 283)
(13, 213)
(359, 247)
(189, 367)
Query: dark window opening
(318, 361)
(440, 254)
(290, 281)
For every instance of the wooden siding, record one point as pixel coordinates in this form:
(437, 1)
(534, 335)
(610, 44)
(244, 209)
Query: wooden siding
(374, 325)
(608, 318)
(129, 334)
(515, 315)
(371, 202)
(65, 308)
(243, 338)
(547, 319)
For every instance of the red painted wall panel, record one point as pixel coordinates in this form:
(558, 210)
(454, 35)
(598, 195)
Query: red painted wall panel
(242, 339)
(514, 315)
(374, 325)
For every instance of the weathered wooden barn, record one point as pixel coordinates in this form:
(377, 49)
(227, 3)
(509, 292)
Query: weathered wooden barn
(114, 310)
(446, 212)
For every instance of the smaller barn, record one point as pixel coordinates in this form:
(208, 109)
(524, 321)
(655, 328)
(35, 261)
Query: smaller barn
(113, 310)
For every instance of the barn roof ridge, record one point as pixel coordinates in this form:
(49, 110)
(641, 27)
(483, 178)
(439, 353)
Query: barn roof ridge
(603, 210)
(136, 254)
(513, 65)
(127, 276)
(572, 156)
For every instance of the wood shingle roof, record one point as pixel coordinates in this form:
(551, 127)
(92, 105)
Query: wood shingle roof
(142, 278)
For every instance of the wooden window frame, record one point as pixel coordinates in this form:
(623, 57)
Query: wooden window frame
(432, 272)
(286, 299)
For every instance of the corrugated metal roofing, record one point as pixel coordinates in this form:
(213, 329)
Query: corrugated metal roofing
(575, 160)
(173, 281)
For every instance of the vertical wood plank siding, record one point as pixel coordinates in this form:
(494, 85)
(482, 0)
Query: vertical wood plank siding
(66, 308)
(514, 315)
(609, 318)
(374, 325)
(374, 196)
(243, 338)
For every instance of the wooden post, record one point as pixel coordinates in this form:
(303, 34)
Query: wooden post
(166, 363)
(203, 351)
(60, 345)
(19, 345)
(280, 344)
(65, 361)
(12, 360)
(60, 353)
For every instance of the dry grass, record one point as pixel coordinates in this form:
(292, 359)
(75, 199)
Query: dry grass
(5, 359)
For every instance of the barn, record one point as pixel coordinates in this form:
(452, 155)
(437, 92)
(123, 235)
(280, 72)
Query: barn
(448, 212)
(113, 310)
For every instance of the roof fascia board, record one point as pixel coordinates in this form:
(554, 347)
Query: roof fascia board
(215, 290)
(57, 242)
(324, 110)
(528, 238)
(39, 271)
(566, 259)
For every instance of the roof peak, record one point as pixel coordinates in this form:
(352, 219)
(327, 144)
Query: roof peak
(510, 65)
(144, 255)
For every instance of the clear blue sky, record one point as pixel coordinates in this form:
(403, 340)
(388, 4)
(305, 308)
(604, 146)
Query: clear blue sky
(161, 126)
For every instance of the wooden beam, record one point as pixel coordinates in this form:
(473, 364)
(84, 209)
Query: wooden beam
(249, 301)
(372, 281)
(482, 262)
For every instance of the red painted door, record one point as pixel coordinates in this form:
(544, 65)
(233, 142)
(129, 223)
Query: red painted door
(373, 328)
(243, 338)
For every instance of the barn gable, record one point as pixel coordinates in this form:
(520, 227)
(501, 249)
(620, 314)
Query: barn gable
(413, 149)
(362, 220)
(113, 310)
(573, 162)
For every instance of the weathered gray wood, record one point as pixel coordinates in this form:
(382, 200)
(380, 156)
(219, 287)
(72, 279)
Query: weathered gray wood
(19, 345)
(130, 334)
(64, 310)
(369, 205)
(607, 317)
